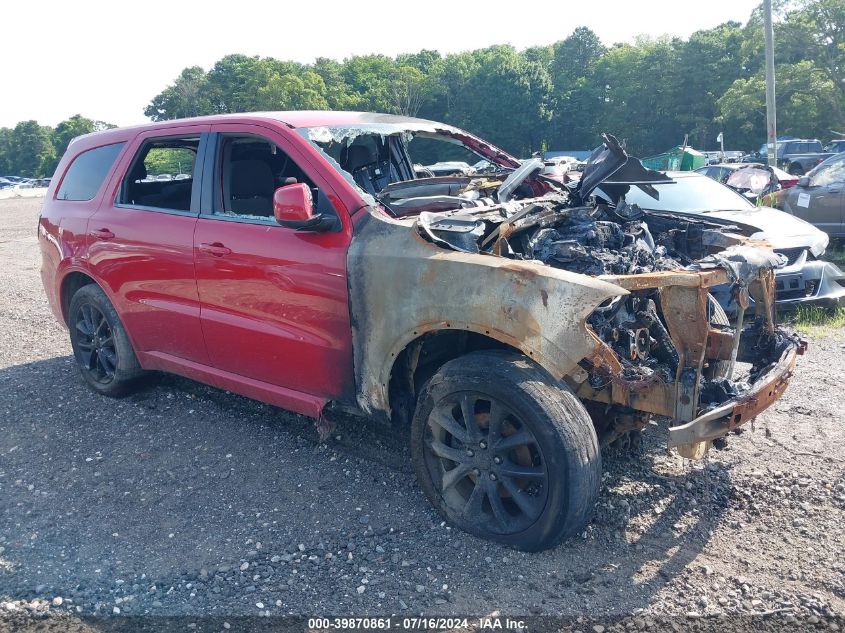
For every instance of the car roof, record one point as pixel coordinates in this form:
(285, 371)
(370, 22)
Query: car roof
(290, 118)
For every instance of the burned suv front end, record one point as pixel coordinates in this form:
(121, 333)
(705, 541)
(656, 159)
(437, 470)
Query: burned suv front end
(665, 348)
(609, 299)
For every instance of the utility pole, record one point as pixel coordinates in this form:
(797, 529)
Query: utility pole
(771, 112)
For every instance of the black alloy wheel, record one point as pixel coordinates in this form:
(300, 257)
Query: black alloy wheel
(101, 345)
(489, 465)
(97, 353)
(504, 451)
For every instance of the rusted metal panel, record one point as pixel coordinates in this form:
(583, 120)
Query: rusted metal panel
(402, 286)
(663, 278)
(657, 398)
(719, 345)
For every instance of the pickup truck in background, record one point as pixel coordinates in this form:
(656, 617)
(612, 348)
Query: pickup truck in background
(835, 146)
(800, 156)
(797, 156)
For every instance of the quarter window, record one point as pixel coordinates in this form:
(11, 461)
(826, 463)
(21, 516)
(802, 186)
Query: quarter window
(87, 172)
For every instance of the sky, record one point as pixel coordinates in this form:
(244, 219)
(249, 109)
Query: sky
(107, 60)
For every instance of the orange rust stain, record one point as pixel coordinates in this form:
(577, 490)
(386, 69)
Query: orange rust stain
(429, 276)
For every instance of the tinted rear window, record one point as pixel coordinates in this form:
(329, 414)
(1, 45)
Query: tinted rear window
(87, 172)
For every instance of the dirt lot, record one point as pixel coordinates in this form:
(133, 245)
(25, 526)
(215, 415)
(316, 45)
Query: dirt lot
(186, 500)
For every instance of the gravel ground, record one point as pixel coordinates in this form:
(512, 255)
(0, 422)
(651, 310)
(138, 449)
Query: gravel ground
(189, 501)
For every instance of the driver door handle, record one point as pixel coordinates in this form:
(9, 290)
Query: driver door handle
(216, 248)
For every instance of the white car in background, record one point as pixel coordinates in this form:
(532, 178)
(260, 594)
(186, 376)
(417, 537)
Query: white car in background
(804, 279)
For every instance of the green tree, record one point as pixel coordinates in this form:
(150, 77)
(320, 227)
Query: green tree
(5, 152)
(815, 31)
(188, 96)
(708, 63)
(577, 95)
(641, 92)
(805, 96)
(30, 150)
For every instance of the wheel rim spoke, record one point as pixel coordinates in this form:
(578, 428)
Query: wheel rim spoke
(450, 425)
(447, 452)
(108, 360)
(520, 438)
(97, 365)
(519, 497)
(88, 316)
(86, 357)
(83, 328)
(521, 472)
(497, 416)
(468, 412)
(100, 324)
(473, 507)
(499, 513)
(451, 477)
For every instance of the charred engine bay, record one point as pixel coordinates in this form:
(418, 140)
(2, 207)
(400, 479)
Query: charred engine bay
(601, 239)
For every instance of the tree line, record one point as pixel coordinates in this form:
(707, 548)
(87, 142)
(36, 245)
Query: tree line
(651, 93)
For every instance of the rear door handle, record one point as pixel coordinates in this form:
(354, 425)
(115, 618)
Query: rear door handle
(102, 234)
(216, 249)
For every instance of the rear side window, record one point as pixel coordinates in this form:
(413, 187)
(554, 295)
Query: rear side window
(162, 174)
(87, 172)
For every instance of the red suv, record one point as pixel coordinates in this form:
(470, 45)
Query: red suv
(513, 323)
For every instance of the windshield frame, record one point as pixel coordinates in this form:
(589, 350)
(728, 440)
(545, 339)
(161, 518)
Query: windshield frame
(317, 134)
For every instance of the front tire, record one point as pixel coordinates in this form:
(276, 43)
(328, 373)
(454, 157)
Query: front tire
(100, 344)
(796, 170)
(504, 452)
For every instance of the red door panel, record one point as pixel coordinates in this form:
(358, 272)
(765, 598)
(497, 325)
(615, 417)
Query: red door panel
(145, 259)
(274, 308)
(274, 300)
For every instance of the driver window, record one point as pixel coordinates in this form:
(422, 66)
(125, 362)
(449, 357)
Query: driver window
(249, 170)
(829, 174)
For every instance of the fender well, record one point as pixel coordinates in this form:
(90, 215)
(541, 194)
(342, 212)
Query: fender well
(70, 283)
(422, 356)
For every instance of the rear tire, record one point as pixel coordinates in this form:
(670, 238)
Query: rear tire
(100, 344)
(796, 170)
(525, 470)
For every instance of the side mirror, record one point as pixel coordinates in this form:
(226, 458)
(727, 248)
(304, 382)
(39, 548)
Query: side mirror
(293, 207)
(803, 181)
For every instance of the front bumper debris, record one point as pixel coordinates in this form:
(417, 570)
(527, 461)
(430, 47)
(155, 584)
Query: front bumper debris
(723, 419)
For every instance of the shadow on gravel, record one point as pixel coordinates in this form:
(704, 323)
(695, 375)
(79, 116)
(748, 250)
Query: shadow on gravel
(184, 498)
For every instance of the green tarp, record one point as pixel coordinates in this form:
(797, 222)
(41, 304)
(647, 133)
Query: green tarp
(676, 159)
